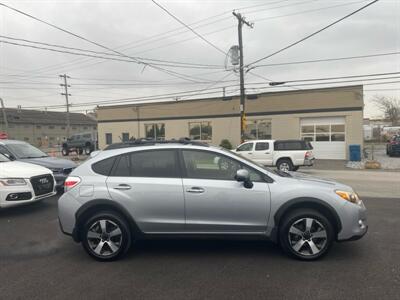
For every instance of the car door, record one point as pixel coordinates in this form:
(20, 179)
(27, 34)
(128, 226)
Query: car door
(246, 150)
(262, 153)
(149, 184)
(215, 202)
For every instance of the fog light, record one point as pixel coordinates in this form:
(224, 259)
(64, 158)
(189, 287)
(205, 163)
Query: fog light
(361, 223)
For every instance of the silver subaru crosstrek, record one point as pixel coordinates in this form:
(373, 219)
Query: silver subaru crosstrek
(148, 189)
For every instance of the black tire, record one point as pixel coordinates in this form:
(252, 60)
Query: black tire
(285, 165)
(88, 149)
(122, 241)
(65, 151)
(289, 241)
(79, 151)
(295, 168)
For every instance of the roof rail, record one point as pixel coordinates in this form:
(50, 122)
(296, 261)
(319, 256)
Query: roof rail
(150, 142)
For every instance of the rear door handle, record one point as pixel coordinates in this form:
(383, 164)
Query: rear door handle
(195, 190)
(123, 186)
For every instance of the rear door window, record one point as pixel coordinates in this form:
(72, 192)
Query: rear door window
(155, 163)
(260, 146)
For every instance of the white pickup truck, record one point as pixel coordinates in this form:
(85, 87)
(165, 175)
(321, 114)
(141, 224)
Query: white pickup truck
(286, 155)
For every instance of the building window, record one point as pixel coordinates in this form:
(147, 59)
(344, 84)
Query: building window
(26, 139)
(323, 133)
(84, 127)
(26, 126)
(258, 130)
(155, 131)
(74, 128)
(51, 127)
(108, 138)
(94, 128)
(63, 127)
(200, 131)
(125, 136)
(38, 127)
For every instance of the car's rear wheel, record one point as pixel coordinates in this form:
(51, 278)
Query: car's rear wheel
(106, 236)
(285, 165)
(306, 234)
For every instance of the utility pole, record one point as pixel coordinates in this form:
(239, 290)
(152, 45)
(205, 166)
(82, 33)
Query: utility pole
(66, 86)
(241, 21)
(4, 115)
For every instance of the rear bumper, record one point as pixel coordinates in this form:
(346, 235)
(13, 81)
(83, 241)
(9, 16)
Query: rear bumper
(309, 162)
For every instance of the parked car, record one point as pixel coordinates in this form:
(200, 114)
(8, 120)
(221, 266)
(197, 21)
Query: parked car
(22, 151)
(189, 189)
(23, 183)
(393, 146)
(80, 142)
(286, 155)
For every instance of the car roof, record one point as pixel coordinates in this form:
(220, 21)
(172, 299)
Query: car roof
(5, 142)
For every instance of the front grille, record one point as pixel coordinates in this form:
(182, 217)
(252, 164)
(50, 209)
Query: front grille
(67, 171)
(42, 184)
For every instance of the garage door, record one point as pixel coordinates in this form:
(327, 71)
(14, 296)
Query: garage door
(327, 136)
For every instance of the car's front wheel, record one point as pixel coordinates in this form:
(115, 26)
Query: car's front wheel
(88, 149)
(106, 236)
(65, 151)
(306, 234)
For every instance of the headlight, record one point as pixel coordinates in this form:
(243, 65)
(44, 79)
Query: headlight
(12, 181)
(349, 196)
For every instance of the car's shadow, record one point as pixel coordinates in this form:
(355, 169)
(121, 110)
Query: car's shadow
(25, 209)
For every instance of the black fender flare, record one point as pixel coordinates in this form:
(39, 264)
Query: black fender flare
(306, 202)
(102, 204)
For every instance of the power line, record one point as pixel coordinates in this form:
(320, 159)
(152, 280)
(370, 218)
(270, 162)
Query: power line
(314, 33)
(327, 59)
(187, 26)
(172, 73)
(166, 62)
(341, 77)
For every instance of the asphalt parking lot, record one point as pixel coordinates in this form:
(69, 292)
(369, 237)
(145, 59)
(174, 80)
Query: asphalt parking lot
(37, 261)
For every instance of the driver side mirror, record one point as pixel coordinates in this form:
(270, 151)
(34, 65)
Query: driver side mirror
(243, 175)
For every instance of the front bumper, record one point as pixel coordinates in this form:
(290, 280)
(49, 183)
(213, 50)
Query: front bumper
(354, 222)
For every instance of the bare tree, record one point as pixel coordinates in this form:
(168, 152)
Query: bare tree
(390, 107)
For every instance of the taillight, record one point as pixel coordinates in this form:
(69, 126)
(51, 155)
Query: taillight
(70, 182)
(308, 154)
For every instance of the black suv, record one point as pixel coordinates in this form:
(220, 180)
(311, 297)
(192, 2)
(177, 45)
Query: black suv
(80, 142)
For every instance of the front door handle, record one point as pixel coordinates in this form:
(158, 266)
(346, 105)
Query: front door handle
(123, 186)
(195, 190)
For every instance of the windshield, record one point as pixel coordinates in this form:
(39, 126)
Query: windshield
(25, 150)
(3, 158)
(277, 172)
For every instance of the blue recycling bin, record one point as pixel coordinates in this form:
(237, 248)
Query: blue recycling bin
(355, 152)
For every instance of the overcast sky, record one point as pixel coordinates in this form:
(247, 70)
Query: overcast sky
(29, 77)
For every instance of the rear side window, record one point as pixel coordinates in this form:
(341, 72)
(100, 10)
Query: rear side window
(104, 166)
(291, 145)
(262, 146)
(122, 167)
(160, 163)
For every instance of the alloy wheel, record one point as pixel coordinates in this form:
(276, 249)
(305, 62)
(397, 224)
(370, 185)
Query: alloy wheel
(307, 236)
(104, 237)
(284, 167)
